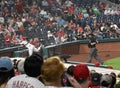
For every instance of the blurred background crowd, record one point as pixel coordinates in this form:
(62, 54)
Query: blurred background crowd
(57, 21)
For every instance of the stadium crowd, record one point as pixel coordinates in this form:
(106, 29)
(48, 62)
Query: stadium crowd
(56, 21)
(53, 22)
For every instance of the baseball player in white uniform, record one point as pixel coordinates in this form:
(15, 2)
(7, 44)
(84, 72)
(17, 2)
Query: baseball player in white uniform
(31, 48)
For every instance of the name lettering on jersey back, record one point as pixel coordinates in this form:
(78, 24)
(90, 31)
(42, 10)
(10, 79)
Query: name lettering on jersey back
(21, 84)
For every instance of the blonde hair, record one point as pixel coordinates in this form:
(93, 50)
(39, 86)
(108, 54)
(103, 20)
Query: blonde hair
(52, 69)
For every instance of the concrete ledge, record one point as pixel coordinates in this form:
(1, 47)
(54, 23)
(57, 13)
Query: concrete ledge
(88, 64)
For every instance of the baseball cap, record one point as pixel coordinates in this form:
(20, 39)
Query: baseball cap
(93, 71)
(106, 78)
(20, 66)
(96, 79)
(81, 72)
(5, 64)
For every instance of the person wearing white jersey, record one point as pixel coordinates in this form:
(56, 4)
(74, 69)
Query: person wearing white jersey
(32, 68)
(24, 81)
(31, 47)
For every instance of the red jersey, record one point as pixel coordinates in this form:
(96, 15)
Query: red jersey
(80, 29)
(60, 33)
(7, 39)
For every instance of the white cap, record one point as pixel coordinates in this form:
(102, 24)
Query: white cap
(20, 66)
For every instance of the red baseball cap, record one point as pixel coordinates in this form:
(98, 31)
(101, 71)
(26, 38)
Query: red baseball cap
(81, 71)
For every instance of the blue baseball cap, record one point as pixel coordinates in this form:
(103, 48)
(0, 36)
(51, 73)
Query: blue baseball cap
(6, 63)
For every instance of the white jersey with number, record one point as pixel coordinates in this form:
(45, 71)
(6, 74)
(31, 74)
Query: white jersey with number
(24, 81)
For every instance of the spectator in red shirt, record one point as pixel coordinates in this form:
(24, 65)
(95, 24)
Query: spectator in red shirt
(7, 39)
(60, 33)
(101, 6)
(79, 15)
(48, 22)
(19, 6)
(72, 25)
(71, 9)
(79, 28)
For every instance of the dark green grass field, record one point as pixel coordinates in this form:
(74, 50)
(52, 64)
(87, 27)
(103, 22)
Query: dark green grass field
(115, 63)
